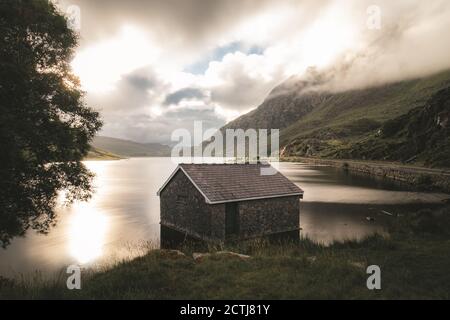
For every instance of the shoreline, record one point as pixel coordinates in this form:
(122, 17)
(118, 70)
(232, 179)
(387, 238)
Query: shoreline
(424, 178)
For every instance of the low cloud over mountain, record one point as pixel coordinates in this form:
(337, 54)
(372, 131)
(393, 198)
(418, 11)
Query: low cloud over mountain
(155, 66)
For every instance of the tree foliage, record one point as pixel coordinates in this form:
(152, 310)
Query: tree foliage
(45, 127)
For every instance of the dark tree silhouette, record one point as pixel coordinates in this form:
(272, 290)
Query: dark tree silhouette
(45, 127)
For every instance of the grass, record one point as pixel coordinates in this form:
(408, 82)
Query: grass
(414, 262)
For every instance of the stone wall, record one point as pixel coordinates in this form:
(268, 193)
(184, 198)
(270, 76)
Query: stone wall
(184, 208)
(268, 216)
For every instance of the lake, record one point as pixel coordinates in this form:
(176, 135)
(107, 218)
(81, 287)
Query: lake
(122, 218)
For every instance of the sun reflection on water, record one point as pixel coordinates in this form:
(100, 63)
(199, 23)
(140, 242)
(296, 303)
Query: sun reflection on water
(87, 233)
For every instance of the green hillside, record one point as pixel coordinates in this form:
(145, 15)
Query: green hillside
(129, 148)
(98, 154)
(373, 123)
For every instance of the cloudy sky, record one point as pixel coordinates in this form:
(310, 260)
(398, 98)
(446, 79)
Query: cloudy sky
(154, 66)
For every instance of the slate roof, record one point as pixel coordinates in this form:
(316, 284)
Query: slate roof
(236, 182)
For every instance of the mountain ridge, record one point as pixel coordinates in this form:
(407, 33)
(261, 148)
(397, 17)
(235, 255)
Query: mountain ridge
(129, 148)
(331, 124)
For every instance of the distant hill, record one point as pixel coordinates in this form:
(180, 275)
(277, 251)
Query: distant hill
(127, 148)
(97, 154)
(404, 121)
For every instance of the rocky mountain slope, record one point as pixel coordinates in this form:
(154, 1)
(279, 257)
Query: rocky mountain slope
(404, 121)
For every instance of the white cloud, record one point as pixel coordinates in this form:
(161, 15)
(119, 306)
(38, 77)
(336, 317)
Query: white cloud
(138, 76)
(100, 66)
(241, 81)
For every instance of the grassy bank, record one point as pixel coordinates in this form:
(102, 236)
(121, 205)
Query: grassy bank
(414, 262)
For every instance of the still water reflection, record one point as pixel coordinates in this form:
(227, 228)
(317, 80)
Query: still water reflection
(87, 233)
(123, 214)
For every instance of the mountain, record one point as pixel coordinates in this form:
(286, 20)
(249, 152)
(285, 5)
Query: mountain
(403, 121)
(129, 148)
(98, 154)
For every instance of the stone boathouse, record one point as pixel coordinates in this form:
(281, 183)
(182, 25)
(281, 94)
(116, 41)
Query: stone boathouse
(217, 202)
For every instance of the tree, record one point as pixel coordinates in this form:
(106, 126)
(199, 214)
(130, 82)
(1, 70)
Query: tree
(45, 127)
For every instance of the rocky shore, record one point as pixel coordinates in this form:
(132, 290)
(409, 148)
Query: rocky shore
(421, 177)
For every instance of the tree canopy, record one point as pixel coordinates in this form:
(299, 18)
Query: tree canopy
(45, 126)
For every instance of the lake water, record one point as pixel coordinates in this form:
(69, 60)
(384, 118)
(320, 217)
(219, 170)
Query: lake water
(123, 215)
